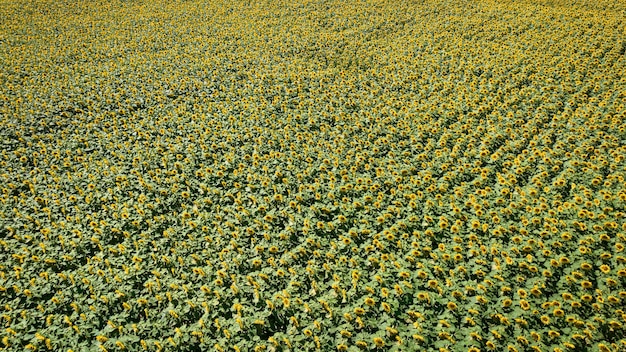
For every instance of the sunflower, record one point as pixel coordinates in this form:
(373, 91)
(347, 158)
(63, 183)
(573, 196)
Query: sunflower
(379, 342)
(422, 296)
(361, 344)
(451, 306)
(613, 300)
(524, 304)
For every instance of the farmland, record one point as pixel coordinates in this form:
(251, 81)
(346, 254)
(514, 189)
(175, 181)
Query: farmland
(312, 175)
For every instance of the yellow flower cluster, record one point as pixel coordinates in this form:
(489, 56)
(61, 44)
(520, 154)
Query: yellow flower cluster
(313, 175)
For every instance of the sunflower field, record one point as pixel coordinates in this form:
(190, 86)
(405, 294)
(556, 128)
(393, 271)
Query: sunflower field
(313, 175)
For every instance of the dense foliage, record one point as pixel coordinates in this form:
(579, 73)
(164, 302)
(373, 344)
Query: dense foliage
(312, 175)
